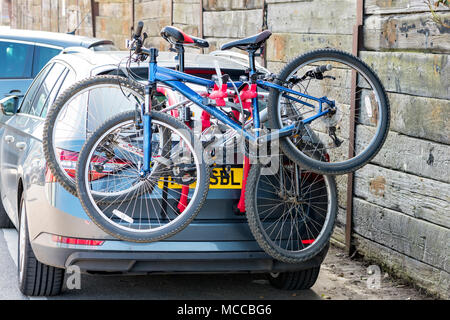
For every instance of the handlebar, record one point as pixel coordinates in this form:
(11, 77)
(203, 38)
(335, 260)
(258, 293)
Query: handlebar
(323, 68)
(139, 28)
(137, 38)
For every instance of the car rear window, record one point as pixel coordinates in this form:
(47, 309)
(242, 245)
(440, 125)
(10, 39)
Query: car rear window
(16, 59)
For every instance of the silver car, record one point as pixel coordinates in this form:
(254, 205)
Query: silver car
(54, 231)
(23, 53)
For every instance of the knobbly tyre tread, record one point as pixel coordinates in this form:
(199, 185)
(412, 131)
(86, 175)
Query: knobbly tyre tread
(47, 136)
(305, 161)
(38, 279)
(298, 280)
(252, 218)
(201, 198)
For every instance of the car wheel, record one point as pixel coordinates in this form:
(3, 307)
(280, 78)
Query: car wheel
(5, 222)
(35, 278)
(298, 280)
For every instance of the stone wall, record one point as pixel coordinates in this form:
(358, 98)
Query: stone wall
(156, 14)
(401, 212)
(5, 7)
(48, 15)
(299, 26)
(227, 20)
(402, 200)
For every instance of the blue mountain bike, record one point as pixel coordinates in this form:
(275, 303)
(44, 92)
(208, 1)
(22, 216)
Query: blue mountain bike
(139, 157)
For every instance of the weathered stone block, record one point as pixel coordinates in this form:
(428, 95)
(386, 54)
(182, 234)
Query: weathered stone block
(285, 46)
(232, 24)
(423, 241)
(397, 6)
(420, 157)
(406, 32)
(153, 9)
(425, 276)
(186, 13)
(412, 73)
(418, 197)
(328, 16)
(221, 5)
(420, 117)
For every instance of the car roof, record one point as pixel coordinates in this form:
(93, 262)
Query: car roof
(63, 40)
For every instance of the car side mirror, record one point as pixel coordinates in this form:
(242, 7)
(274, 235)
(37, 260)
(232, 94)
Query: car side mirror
(9, 105)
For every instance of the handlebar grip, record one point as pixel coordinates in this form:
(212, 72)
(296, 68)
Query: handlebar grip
(139, 28)
(322, 69)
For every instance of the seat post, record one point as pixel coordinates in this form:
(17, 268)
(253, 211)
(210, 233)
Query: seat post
(180, 52)
(255, 106)
(251, 57)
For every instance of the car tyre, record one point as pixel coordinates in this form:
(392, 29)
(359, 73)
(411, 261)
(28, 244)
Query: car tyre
(298, 280)
(35, 278)
(5, 221)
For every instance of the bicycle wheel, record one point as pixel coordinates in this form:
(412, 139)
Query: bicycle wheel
(371, 110)
(76, 113)
(141, 209)
(291, 212)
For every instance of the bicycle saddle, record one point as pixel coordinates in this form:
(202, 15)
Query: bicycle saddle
(176, 36)
(250, 43)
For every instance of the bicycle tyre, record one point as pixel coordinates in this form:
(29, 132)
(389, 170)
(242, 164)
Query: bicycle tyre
(296, 155)
(185, 217)
(52, 116)
(269, 245)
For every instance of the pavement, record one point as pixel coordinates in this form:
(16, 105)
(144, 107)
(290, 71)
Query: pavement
(341, 278)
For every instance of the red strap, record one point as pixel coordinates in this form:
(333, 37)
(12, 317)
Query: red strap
(206, 123)
(247, 94)
(219, 94)
(182, 204)
(241, 204)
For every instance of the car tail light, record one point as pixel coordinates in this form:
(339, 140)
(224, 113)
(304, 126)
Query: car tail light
(49, 177)
(68, 160)
(83, 242)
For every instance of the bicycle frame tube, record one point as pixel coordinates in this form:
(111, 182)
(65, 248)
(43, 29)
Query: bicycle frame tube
(175, 80)
(147, 120)
(147, 127)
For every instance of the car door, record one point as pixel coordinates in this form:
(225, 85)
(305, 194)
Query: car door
(19, 131)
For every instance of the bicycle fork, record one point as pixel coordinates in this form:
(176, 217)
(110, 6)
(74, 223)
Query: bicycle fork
(150, 89)
(147, 124)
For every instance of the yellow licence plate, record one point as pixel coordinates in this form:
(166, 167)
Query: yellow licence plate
(219, 180)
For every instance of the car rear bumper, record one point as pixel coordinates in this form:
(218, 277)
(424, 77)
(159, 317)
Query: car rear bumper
(230, 262)
(98, 259)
